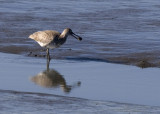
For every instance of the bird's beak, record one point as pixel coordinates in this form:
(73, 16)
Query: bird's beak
(76, 36)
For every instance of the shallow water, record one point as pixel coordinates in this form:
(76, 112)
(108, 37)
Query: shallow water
(86, 87)
(113, 31)
(121, 31)
(89, 80)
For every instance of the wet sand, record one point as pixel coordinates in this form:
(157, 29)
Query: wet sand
(109, 88)
(27, 102)
(143, 60)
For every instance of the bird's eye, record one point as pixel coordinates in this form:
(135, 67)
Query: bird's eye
(70, 31)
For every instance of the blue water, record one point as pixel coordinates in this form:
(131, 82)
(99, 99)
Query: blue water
(120, 31)
(111, 30)
(26, 87)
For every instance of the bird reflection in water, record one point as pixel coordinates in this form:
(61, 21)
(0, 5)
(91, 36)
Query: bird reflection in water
(50, 78)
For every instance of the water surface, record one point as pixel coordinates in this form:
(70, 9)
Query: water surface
(114, 31)
(86, 87)
(89, 80)
(121, 31)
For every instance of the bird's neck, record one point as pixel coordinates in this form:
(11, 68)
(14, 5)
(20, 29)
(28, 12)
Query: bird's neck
(64, 34)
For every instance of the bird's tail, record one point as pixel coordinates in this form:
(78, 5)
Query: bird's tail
(31, 36)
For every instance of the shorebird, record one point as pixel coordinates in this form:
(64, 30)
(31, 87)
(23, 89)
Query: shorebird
(51, 39)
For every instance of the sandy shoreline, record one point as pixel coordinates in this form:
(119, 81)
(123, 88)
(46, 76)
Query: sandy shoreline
(30, 48)
(139, 60)
(28, 102)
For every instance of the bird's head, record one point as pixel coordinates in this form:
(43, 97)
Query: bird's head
(69, 31)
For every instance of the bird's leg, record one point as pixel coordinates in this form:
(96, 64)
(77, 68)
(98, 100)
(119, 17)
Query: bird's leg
(48, 55)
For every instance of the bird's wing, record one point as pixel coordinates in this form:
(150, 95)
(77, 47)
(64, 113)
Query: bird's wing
(44, 37)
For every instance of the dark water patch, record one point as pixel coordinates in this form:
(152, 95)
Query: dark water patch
(94, 59)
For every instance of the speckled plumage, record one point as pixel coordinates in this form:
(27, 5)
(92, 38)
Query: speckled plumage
(47, 38)
(51, 39)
